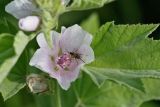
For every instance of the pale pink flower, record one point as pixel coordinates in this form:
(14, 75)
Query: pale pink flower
(70, 51)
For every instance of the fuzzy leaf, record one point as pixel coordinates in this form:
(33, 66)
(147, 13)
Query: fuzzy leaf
(99, 75)
(124, 54)
(87, 4)
(87, 94)
(126, 47)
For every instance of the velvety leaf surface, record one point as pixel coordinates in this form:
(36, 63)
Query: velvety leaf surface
(87, 4)
(124, 54)
(126, 47)
(87, 94)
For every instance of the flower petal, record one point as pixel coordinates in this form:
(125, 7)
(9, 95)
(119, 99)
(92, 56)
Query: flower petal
(65, 78)
(87, 39)
(41, 40)
(21, 9)
(63, 29)
(43, 60)
(87, 53)
(72, 38)
(55, 39)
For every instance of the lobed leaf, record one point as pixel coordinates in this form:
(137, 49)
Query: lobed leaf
(125, 54)
(84, 93)
(99, 75)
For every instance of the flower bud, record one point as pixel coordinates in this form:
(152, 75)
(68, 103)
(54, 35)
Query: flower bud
(37, 83)
(29, 23)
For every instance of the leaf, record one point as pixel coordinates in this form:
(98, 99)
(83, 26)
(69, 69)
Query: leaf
(10, 86)
(7, 22)
(99, 75)
(87, 4)
(125, 51)
(9, 25)
(21, 41)
(84, 93)
(126, 47)
(12, 83)
(6, 46)
(16, 79)
(118, 96)
(91, 24)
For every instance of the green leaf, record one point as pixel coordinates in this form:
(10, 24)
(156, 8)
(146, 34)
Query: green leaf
(6, 46)
(91, 24)
(99, 75)
(126, 47)
(21, 41)
(7, 22)
(16, 79)
(84, 93)
(8, 25)
(10, 86)
(87, 4)
(124, 54)
(118, 96)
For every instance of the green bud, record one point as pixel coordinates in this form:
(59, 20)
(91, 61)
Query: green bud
(51, 9)
(50, 12)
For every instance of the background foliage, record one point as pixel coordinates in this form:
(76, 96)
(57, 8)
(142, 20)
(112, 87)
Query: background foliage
(87, 95)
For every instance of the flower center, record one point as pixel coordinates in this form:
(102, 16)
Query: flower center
(64, 60)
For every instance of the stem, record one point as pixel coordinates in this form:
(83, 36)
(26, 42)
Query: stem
(58, 96)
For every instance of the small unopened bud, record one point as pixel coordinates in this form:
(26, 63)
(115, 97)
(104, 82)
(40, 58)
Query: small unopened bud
(37, 83)
(29, 23)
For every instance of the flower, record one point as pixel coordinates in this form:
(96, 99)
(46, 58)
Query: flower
(70, 51)
(29, 23)
(21, 8)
